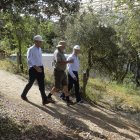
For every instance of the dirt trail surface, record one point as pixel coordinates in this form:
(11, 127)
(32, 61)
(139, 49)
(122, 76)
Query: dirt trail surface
(58, 121)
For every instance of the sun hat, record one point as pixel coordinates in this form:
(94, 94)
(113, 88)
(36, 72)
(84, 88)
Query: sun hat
(61, 43)
(76, 47)
(38, 38)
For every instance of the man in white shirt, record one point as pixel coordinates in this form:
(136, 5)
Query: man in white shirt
(36, 69)
(73, 69)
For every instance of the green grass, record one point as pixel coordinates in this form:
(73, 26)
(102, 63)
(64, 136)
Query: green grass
(49, 80)
(116, 96)
(8, 66)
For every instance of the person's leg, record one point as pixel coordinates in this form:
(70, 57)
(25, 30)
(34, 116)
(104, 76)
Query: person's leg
(64, 84)
(32, 77)
(53, 91)
(67, 99)
(41, 84)
(62, 96)
(70, 85)
(57, 83)
(65, 89)
(76, 86)
(70, 82)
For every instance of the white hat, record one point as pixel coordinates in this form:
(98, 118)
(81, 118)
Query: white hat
(76, 47)
(38, 38)
(61, 43)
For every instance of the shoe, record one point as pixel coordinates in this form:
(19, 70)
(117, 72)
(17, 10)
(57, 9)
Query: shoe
(24, 98)
(80, 102)
(46, 101)
(62, 97)
(69, 103)
(50, 99)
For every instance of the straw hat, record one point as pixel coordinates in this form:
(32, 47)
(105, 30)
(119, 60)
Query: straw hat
(61, 43)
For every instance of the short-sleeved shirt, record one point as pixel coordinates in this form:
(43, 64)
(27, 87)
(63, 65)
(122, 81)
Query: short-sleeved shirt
(58, 57)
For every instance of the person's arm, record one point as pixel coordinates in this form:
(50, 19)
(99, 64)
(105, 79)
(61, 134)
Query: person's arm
(59, 60)
(30, 59)
(70, 70)
(65, 62)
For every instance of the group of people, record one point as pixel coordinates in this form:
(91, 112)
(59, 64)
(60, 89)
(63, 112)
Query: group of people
(62, 81)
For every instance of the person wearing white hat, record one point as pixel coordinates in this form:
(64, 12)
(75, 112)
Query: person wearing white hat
(36, 69)
(38, 38)
(73, 68)
(60, 77)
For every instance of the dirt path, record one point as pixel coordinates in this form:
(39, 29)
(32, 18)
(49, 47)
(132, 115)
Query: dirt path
(57, 121)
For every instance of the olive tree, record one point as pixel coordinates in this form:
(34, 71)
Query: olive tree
(99, 47)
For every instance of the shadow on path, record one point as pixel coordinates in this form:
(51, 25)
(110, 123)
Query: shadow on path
(10, 130)
(71, 122)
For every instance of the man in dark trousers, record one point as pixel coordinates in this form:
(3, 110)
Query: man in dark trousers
(60, 77)
(36, 69)
(73, 69)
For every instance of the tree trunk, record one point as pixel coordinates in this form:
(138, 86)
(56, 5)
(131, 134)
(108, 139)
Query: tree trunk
(20, 56)
(124, 75)
(85, 80)
(137, 72)
(87, 72)
(121, 77)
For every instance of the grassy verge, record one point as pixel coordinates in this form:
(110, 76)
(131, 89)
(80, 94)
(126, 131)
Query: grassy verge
(8, 66)
(118, 97)
(49, 80)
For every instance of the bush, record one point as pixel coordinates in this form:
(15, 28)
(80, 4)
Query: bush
(8, 66)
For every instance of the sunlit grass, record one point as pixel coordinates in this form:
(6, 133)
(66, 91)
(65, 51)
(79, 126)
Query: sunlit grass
(49, 80)
(8, 66)
(117, 96)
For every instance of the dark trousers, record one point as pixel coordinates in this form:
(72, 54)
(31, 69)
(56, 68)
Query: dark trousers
(39, 76)
(72, 82)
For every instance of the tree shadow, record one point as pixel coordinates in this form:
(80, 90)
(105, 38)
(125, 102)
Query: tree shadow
(108, 123)
(10, 130)
(112, 111)
(70, 122)
(1, 95)
(103, 120)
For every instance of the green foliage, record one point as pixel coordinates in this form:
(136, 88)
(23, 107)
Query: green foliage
(99, 48)
(48, 32)
(36, 7)
(21, 20)
(18, 32)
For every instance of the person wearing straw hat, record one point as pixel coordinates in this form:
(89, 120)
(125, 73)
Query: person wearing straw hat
(36, 69)
(73, 68)
(60, 77)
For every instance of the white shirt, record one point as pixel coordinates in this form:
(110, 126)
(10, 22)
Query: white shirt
(34, 56)
(73, 66)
